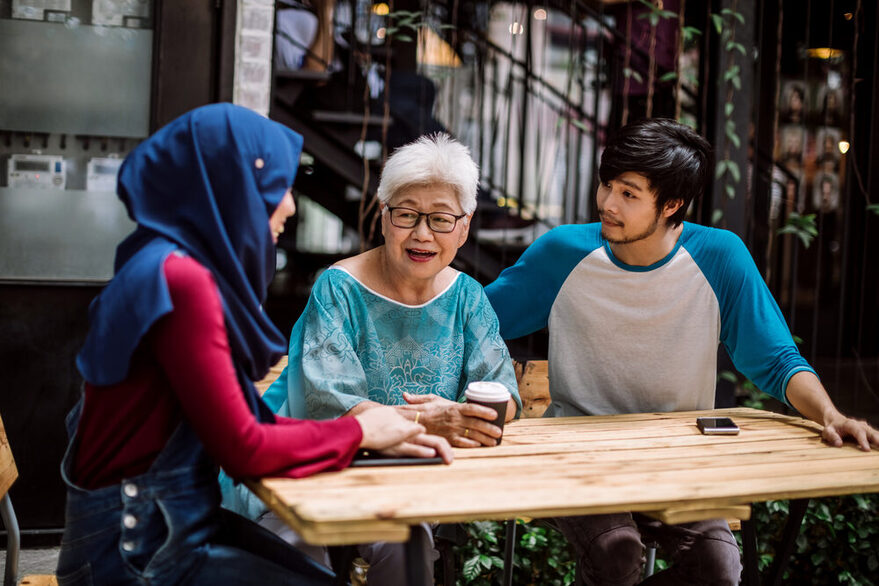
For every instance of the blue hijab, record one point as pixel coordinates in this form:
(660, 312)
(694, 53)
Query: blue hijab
(206, 185)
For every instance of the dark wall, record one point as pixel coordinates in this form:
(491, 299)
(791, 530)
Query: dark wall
(41, 329)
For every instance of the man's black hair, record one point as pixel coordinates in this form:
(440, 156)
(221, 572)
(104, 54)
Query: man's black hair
(676, 161)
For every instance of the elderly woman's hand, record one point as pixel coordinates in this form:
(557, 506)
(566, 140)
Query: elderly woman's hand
(465, 425)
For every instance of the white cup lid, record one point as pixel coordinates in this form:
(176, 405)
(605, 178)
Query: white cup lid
(487, 392)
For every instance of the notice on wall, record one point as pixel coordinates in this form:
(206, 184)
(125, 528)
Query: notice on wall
(36, 9)
(128, 13)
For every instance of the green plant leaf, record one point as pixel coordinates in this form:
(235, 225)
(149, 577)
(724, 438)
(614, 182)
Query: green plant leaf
(728, 376)
(733, 46)
(629, 72)
(716, 216)
(668, 76)
(728, 109)
(733, 137)
(720, 168)
(731, 72)
(734, 172)
(873, 207)
(579, 124)
(471, 569)
(730, 191)
(803, 227)
(690, 32)
(732, 13)
(717, 21)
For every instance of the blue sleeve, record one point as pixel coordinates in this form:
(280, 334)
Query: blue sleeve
(324, 377)
(523, 295)
(752, 328)
(486, 357)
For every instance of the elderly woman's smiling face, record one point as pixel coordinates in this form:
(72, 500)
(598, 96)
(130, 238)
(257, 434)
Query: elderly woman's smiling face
(421, 252)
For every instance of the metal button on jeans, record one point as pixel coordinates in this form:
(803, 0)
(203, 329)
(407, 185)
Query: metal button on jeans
(130, 521)
(130, 490)
(128, 545)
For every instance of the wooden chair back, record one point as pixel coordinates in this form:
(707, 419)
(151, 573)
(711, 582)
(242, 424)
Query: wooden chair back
(8, 471)
(8, 474)
(533, 379)
(273, 374)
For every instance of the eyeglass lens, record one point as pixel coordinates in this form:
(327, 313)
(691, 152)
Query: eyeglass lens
(436, 221)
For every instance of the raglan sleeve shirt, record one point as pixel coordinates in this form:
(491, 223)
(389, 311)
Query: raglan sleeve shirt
(523, 294)
(752, 327)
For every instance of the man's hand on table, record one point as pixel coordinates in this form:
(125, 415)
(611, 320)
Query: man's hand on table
(838, 427)
(808, 396)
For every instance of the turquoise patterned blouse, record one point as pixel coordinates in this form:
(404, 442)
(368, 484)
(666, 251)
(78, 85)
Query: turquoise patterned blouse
(352, 344)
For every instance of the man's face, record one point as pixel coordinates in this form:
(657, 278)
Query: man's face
(627, 208)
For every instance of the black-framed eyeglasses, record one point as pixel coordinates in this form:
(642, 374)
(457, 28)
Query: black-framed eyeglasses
(442, 222)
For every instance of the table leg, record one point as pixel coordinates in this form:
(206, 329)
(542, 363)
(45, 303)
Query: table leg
(341, 559)
(415, 559)
(797, 511)
(509, 549)
(750, 573)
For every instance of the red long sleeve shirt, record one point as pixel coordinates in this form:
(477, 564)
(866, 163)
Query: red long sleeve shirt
(183, 370)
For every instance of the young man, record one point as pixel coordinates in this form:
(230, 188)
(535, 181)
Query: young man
(636, 306)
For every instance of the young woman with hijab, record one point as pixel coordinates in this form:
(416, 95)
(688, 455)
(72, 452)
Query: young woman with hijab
(175, 341)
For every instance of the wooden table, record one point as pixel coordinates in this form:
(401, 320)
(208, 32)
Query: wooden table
(657, 463)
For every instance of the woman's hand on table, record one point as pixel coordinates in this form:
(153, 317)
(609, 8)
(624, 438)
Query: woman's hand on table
(423, 446)
(391, 433)
(384, 427)
(464, 425)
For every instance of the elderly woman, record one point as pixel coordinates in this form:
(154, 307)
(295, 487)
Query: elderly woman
(398, 326)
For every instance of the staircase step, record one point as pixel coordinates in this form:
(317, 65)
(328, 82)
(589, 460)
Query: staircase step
(339, 117)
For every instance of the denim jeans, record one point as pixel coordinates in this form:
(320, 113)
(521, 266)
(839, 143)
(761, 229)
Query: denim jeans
(166, 527)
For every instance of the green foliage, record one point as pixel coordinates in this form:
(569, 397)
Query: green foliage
(541, 556)
(803, 227)
(873, 207)
(405, 22)
(655, 13)
(725, 26)
(629, 72)
(837, 543)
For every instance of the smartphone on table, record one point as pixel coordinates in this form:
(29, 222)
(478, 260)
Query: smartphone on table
(717, 426)
(374, 458)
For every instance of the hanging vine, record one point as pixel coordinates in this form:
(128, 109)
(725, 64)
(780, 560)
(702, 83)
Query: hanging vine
(872, 207)
(654, 14)
(727, 170)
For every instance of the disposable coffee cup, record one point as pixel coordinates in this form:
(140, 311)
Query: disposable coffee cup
(492, 395)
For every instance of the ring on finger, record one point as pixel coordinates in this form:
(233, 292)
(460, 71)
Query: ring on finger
(417, 415)
(466, 432)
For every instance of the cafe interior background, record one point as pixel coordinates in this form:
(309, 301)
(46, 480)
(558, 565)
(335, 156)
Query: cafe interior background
(786, 90)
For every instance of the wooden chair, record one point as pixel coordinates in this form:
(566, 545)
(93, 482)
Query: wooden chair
(8, 475)
(273, 374)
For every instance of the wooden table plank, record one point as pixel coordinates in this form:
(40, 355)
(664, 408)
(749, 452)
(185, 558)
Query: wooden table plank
(657, 463)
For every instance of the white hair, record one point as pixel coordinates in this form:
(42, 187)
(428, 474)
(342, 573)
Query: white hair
(437, 159)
